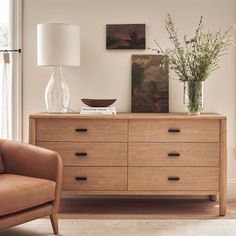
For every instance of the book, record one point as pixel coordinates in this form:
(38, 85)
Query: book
(98, 111)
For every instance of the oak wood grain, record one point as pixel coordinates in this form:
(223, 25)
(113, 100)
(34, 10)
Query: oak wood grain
(190, 178)
(144, 139)
(98, 178)
(133, 116)
(65, 130)
(189, 131)
(166, 154)
(143, 193)
(95, 154)
(32, 131)
(223, 168)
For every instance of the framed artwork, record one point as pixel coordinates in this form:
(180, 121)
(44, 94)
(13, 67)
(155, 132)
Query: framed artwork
(150, 85)
(125, 36)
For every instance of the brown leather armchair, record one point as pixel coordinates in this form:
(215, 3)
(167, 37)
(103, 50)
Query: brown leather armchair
(30, 184)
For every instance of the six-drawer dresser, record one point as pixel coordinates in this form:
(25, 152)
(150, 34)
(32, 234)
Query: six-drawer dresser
(137, 154)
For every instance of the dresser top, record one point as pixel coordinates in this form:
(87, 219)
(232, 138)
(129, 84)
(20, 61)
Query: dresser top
(171, 115)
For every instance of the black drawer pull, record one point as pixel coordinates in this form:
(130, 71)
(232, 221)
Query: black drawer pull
(80, 178)
(81, 154)
(173, 178)
(81, 130)
(174, 130)
(173, 154)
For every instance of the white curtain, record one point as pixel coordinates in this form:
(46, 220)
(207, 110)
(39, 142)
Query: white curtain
(5, 98)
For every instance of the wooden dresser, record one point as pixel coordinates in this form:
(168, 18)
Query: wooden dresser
(137, 154)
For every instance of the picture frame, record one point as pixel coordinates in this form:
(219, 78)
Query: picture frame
(125, 36)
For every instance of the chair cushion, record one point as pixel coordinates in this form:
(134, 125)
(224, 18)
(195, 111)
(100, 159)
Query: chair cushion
(1, 165)
(19, 192)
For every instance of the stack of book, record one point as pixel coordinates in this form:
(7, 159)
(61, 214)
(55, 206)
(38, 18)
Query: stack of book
(98, 110)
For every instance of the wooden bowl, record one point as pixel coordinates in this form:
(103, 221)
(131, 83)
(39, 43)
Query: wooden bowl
(98, 102)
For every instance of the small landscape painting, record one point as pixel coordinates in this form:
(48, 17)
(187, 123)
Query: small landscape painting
(125, 36)
(150, 85)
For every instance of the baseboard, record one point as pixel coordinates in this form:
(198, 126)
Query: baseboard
(231, 186)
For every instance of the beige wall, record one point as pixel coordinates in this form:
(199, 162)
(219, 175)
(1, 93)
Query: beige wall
(106, 74)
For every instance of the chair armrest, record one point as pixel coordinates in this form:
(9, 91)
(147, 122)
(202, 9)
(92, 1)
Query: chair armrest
(32, 161)
(28, 160)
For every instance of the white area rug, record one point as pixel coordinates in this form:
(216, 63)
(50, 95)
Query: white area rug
(42, 227)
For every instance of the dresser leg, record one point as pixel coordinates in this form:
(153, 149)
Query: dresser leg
(213, 198)
(223, 168)
(222, 203)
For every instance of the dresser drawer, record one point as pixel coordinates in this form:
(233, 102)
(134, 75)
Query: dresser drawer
(174, 154)
(173, 178)
(174, 131)
(94, 178)
(89, 154)
(81, 130)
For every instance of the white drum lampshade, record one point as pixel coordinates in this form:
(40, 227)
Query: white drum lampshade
(58, 45)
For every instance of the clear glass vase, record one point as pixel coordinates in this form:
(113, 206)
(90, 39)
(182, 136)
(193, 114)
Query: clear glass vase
(57, 93)
(193, 96)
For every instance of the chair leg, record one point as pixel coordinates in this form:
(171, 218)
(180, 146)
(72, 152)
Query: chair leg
(54, 222)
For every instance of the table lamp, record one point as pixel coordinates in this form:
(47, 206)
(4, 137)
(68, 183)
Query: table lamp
(58, 45)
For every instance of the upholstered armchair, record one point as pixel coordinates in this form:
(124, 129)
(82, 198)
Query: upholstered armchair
(30, 184)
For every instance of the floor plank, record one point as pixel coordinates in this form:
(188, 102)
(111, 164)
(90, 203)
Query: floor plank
(72, 208)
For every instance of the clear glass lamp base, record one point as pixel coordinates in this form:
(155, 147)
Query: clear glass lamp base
(57, 93)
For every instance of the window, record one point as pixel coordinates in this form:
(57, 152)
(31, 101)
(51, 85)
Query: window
(10, 69)
(4, 23)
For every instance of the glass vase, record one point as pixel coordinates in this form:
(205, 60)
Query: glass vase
(193, 96)
(57, 93)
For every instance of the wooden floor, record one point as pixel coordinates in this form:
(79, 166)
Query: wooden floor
(143, 209)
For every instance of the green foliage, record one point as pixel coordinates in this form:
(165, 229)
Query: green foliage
(196, 57)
